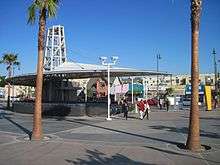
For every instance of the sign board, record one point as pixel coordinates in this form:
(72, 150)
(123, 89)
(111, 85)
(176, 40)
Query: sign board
(188, 89)
(154, 88)
(208, 98)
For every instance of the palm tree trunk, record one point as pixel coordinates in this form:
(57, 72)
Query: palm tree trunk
(37, 125)
(193, 140)
(9, 88)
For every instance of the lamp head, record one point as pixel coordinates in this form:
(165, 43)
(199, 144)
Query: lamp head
(213, 51)
(114, 59)
(103, 59)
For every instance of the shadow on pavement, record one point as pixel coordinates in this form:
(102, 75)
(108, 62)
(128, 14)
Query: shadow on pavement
(185, 131)
(3, 113)
(123, 118)
(58, 110)
(123, 132)
(216, 125)
(61, 118)
(97, 157)
(179, 154)
(204, 118)
(25, 130)
(210, 118)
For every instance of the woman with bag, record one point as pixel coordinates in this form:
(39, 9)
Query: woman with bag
(141, 108)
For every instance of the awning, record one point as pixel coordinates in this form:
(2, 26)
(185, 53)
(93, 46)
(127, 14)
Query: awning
(72, 70)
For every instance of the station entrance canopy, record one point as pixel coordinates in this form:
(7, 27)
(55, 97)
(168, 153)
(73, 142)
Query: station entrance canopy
(73, 70)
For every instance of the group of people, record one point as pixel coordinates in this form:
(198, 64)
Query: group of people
(142, 105)
(164, 103)
(143, 108)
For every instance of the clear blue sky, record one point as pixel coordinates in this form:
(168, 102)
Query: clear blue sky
(134, 30)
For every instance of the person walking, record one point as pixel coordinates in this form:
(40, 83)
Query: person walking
(161, 102)
(215, 101)
(167, 104)
(147, 109)
(125, 109)
(141, 107)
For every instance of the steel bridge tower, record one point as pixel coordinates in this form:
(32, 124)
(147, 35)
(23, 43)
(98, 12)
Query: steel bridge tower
(55, 50)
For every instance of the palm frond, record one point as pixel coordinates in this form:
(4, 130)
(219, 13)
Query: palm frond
(16, 63)
(32, 13)
(52, 8)
(7, 57)
(50, 5)
(40, 4)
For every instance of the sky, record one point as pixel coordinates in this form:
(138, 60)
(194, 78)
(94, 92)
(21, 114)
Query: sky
(134, 30)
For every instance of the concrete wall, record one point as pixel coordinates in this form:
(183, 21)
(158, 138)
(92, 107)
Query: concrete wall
(60, 109)
(96, 109)
(23, 107)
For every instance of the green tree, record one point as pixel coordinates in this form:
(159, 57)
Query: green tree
(2, 81)
(11, 61)
(193, 140)
(169, 91)
(46, 9)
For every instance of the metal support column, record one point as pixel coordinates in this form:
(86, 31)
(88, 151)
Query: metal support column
(132, 90)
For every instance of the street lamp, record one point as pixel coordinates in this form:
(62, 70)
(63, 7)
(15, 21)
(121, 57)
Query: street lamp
(158, 58)
(215, 71)
(109, 64)
(132, 89)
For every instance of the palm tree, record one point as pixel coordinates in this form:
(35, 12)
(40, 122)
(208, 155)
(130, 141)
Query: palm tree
(11, 60)
(193, 140)
(46, 9)
(2, 81)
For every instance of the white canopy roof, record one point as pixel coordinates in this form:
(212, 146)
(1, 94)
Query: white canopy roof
(74, 66)
(73, 70)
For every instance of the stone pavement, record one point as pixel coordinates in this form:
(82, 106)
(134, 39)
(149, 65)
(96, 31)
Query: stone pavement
(93, 140)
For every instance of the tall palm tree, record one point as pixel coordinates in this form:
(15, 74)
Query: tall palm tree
(11, 60)
(46, 9)
(193, 140)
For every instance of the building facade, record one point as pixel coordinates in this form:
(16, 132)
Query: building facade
(178, 82)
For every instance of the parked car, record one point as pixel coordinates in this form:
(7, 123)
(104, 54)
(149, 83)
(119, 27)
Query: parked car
(152, 102)
(186, 102)
(115, 109)
(28, 99)
(15, 98)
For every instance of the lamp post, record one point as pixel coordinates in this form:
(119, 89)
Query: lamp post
(109, 64)
(158, 58)
(215, 71)
(13, 87)
(13, 90)
(132, 89)
(145, 87)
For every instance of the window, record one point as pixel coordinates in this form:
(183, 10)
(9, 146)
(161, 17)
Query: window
(65, 83)
(177, 81)
(183, 81)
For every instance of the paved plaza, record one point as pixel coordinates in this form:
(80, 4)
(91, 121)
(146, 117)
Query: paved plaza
(93, 140)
